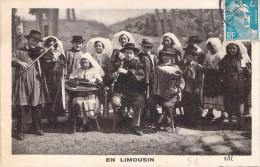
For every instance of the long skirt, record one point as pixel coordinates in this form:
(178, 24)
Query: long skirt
(212, 92)
(214, 103)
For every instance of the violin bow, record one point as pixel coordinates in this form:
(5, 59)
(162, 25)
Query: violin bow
(38, 58)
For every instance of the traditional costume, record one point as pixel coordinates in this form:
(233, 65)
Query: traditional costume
(86, 106)
(129, 88)
(235, 71)
(30, 90)
(149, 61)
(117, 56)
(167, 87)
(56, 79)
(195, 41)
(104, 58)
(211, 90)
(192, 93)
(175, 44)
(73, 57)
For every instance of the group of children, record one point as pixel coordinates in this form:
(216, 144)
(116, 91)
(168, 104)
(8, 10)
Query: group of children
(189, 79)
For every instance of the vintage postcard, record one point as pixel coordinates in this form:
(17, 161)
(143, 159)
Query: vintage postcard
(140, 83)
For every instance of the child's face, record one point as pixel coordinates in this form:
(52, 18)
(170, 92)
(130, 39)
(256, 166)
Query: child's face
(129, 54)
(77, 45)
(146, 49)
(51, 46)
(167, 41)
(99, 47)
(123, 40)
(232, 49)
(85, 64)
(166, 58)
(211, 49)
(32, 42)
(190, 57)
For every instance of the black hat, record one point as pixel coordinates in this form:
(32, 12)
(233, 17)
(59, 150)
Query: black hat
(194, 39)
(77, 39)
(146, 42)
(191, 48)
(34, 34)
(169, 50)
(130, 46)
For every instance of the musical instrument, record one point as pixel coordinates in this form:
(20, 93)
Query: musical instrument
(39, 51)
(164, 78)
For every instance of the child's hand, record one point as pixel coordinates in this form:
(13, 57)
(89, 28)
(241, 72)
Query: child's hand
(193, 63)
(116, 101)
(121, 56)
(122, 70)
(92, 81)
(114, 75)
(23, 65)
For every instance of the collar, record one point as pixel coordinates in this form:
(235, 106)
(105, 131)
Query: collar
(166, 64)
(74, 50)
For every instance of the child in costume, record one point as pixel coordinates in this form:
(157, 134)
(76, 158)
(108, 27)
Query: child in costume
(55, 78)
(118, 42)
(169, 39)
(211, 90)
(86, 106)
(130, 86)
(192, 93)
(174, 85)
(235, 68)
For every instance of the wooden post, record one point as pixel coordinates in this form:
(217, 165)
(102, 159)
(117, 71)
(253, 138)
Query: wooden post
(166, 25)
(73, 14)
(49, 15)
(158, 22)
(174, 25)
(68, 14)
(39, 21)
(55, 22)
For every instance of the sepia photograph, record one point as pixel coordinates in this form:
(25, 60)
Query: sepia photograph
(128, 82)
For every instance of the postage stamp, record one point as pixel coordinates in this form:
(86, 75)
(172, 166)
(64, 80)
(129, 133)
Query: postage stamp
(241, 20)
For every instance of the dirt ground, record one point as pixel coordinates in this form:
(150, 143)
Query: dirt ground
(196, 140)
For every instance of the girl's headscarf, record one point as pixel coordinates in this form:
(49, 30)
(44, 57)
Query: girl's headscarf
(115, 40)
(216, 43)
(93, 62)
(177, 44)
(243, 51)
(59, 49)
(107, 45)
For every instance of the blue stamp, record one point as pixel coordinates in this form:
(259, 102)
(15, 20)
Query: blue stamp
(241, 17)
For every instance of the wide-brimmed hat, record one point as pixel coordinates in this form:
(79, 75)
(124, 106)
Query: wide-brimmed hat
(146, 42)
(77, 38)
(34, 34)
(191, 48)
(169, 50)
(130, 46)
(194, 39)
